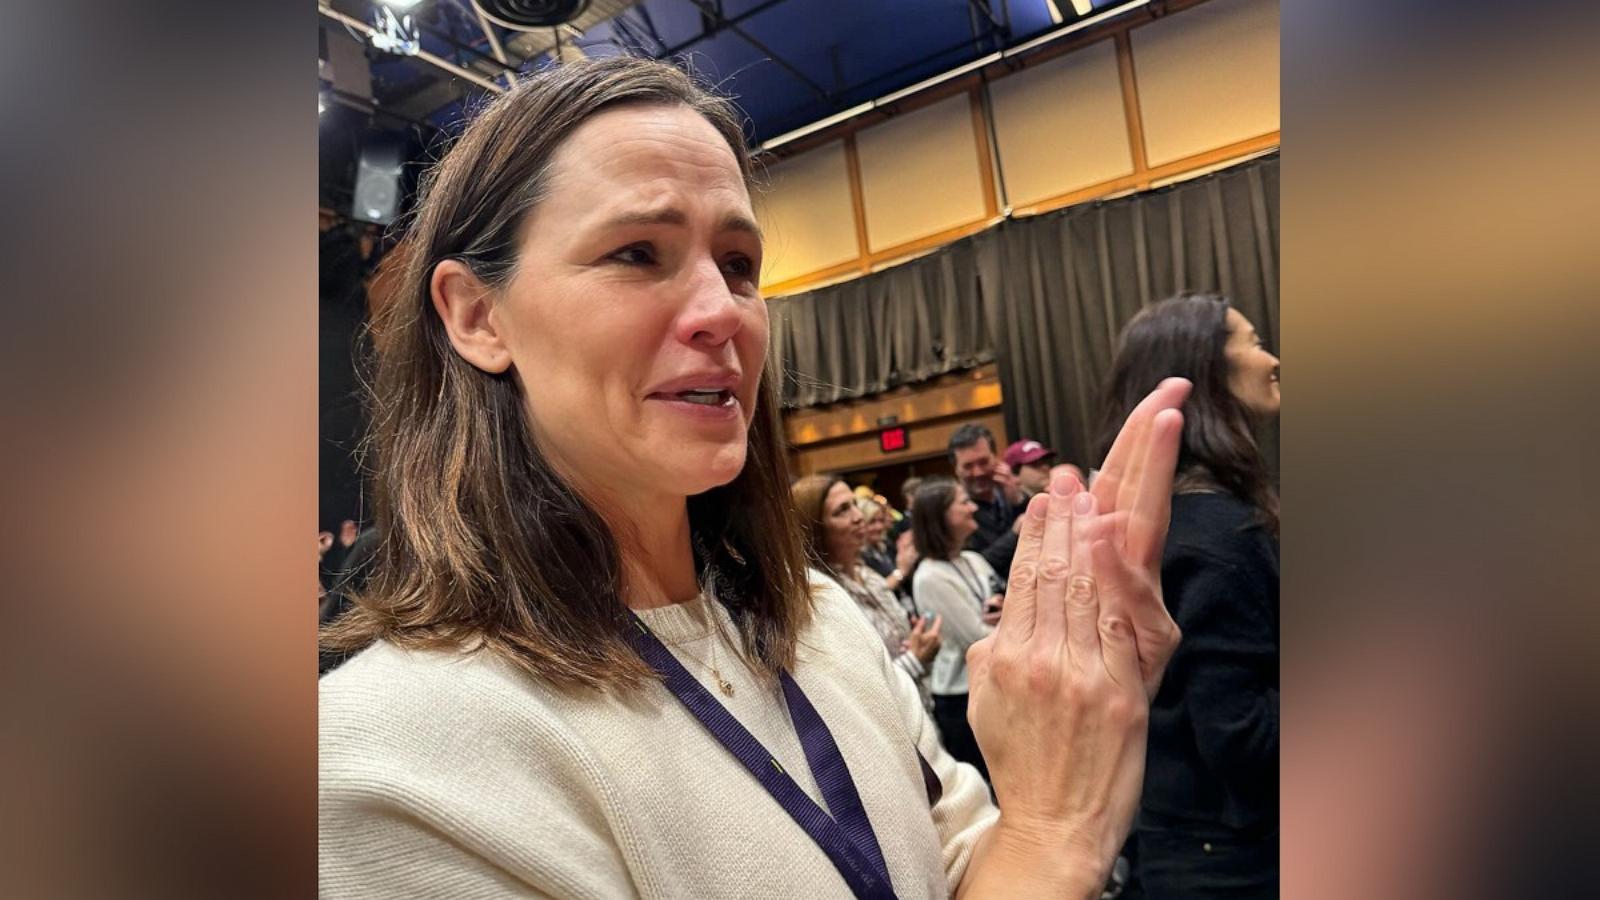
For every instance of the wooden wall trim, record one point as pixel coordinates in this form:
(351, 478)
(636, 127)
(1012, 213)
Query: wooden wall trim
(980, 134)
(858, 203)
(1142, 176)
(1130, 106)
(878, 260)
(930, 242)
(1132, 181)
(950, 394)
(800, 283)
(1246, 147)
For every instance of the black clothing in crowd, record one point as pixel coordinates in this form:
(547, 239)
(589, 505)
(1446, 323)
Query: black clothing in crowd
(994, 540)
(1208, 822)
(878, 560)
(352, 570)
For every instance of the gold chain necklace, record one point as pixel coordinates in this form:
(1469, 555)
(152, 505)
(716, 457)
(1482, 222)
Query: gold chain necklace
(716, 674)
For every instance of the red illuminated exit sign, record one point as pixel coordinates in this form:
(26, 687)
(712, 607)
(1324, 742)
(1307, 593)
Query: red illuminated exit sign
(892, 439)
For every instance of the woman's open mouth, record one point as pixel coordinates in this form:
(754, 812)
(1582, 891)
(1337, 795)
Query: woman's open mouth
(705, 404)
(706, 398)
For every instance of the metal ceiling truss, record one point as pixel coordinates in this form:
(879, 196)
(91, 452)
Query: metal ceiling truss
(716, 30)
(721, 23)
(983, 8)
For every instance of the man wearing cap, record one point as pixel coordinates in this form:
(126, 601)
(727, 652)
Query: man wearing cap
(1031, 461)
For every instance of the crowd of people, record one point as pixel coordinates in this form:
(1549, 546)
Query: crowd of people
(603, 648)
(1208, 816)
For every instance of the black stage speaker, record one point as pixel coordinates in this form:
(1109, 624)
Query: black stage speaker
(377, 197)
(526, 15)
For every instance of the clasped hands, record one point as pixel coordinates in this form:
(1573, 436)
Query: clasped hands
(1059, 693)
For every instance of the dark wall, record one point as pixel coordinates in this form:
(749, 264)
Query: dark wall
(342, 309)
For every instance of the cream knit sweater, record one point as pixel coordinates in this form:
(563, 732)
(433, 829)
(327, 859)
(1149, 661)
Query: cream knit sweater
(939, 588)
(452, 775)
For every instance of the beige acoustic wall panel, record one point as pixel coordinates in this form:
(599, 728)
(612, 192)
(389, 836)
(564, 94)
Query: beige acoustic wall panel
(1060, 125)
(806, 215)
(1208, 76)
(920, 173)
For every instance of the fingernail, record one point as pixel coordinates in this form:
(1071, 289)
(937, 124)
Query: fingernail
(1037, 510)
(1083, 503)
(1061, 485)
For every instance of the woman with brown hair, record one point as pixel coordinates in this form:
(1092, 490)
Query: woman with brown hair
(593, 664)
(834, 531)
(1208, 824)
(960, 587)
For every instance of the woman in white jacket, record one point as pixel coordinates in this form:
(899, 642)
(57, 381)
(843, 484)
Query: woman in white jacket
(962, 588)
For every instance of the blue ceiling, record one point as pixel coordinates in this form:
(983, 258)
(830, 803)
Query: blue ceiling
(787, 62)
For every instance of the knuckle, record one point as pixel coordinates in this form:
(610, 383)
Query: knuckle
(1076, 694)
(1125, 711)
(1023, 574)
(1054, 569)
(1041, 673)
(1081, 590)
(979, 652)
(1003, 666)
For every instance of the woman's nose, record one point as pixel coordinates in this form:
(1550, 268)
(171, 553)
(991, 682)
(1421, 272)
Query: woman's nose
(711, 313)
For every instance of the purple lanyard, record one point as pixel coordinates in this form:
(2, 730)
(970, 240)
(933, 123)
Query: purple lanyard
(847, 837)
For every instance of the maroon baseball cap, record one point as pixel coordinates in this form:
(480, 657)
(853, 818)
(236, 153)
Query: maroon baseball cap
(1023, 452)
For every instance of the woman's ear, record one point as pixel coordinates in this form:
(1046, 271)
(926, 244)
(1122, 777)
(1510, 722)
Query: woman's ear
(465, 305)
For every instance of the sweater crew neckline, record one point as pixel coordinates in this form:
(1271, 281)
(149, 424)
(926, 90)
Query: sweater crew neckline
(682, 623)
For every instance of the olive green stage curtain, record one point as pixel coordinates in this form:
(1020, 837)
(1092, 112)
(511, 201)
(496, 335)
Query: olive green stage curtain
(1042, 297)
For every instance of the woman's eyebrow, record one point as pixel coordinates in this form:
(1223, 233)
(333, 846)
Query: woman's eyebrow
(672, 215)
(666, 216)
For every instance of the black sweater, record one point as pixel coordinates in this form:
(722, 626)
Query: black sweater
(1213, 758)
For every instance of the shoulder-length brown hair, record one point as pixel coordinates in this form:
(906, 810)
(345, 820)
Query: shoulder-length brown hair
(484, 544)
(1187, 336)
(810, 495)
(928, 529)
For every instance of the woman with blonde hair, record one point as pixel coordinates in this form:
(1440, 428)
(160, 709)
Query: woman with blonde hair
(894, 560)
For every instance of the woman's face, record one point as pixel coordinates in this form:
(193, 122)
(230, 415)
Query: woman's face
(633, 320)
(877, 525)
(961, 518)
(1252, 371)
(842, 524)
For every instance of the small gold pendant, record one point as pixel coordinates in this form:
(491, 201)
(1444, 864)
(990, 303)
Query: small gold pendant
(727, 689)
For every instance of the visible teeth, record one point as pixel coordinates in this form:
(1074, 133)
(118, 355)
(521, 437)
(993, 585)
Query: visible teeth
(707, 398)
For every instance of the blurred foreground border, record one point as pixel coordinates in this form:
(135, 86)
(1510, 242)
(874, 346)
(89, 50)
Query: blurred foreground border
(1439, 346)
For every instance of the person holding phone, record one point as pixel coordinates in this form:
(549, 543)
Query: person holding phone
(960, 587)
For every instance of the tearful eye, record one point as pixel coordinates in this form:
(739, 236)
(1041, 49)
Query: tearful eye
(739, 267)
(641, 254)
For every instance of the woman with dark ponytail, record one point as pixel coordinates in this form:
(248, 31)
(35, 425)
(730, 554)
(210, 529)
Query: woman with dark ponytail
(1208, 819)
